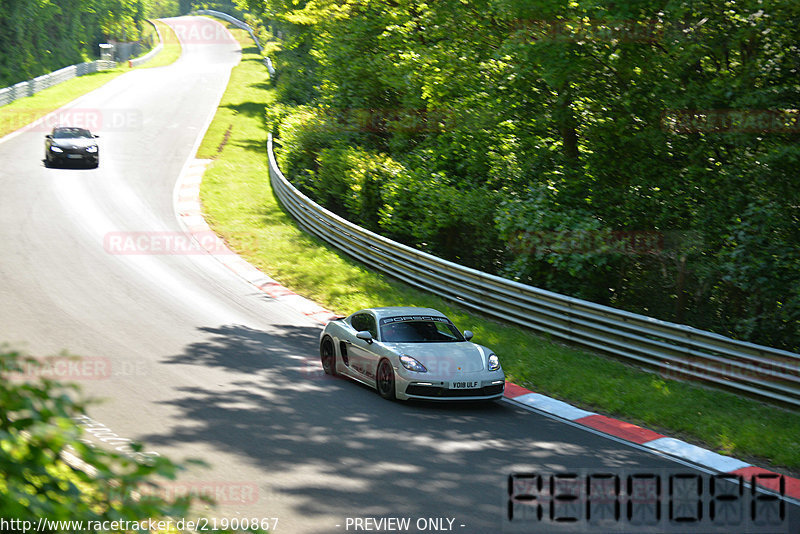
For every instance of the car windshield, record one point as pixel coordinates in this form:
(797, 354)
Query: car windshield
(419, 329)
(71, 133)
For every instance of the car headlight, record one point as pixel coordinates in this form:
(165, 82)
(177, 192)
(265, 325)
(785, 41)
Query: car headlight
(91, 149)
(54, 148)
(412, 364)
(494, 362)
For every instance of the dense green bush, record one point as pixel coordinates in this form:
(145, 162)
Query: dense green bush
(638, 154)
(429, 211)
(51, 472)
(37, 429)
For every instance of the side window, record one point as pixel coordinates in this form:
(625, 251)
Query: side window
(372, 326)
(365, 321)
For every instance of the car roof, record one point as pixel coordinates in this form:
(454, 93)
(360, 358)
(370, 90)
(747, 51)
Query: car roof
(70, 129)
(394, 311)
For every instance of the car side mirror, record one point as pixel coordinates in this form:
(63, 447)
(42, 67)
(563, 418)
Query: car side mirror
(48, 136)
(468, 335)
(96, 136)
(365, 335)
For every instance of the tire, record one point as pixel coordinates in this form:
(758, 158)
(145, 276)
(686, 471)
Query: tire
(384, 380)
(327, 355)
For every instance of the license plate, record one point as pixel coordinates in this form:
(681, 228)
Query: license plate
(74, 156)
(464, 385)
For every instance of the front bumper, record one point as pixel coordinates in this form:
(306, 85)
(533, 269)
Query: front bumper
(75, 155)
(415, 388)
(417, 391)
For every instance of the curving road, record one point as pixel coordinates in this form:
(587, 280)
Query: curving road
(197, 363)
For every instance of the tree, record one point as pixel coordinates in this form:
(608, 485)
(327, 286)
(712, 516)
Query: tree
(41, 36)
(37, 432)
(654, 126)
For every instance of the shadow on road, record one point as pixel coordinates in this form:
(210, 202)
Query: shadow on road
(336, 448)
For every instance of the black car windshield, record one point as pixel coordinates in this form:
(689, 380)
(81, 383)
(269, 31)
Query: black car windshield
(71, 133)
(418, 329)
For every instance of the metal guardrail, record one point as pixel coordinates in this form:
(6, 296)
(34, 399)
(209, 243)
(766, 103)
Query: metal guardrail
(244, 26)
(675, 350)
(45, 81)
(135, 62)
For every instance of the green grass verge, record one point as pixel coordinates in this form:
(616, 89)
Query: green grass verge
(27, 110)
(239, 204)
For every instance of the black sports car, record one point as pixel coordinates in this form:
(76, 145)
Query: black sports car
(67, 143)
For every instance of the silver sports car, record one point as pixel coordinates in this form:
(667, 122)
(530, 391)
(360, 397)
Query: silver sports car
(410, 353)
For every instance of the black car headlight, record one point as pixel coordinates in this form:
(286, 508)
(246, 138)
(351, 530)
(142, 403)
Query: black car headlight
(54, 148)
(494, 362)
(91, 149)
(412, 364)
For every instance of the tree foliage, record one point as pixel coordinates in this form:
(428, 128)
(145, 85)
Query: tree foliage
(641, 154)
(37, 427)
(40, 36)
(51, 473)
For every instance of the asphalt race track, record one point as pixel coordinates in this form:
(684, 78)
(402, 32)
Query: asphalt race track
(196, 363)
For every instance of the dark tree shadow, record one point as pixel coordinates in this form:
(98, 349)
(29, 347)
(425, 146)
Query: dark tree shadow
(251, 109)
(370, 457)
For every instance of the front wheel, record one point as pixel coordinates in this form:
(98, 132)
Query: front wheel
(327, 354)
(384, 380)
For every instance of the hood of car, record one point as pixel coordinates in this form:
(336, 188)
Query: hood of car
(78, 142)
(445, 360)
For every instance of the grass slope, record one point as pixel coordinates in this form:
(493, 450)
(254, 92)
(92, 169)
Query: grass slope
(240, 206)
